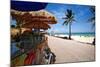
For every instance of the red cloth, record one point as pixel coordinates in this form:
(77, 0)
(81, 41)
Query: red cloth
(30, 58)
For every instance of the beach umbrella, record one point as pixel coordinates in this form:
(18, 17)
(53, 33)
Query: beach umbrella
(36, 25)
(27, 6)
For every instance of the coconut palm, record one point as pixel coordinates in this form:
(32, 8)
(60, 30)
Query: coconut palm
(69, 18)
(92, 18)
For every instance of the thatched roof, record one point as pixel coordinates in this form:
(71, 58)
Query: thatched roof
(36, 25)
(35, 16)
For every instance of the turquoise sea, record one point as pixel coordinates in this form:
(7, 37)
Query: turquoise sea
(77, 34)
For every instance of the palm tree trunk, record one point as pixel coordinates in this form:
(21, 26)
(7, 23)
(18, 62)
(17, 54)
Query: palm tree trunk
(70, 31)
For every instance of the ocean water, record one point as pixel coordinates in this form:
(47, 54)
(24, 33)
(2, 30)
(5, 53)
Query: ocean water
(75, 34)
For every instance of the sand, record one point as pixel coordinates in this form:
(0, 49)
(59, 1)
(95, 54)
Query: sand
(83, 39)
(70, 50)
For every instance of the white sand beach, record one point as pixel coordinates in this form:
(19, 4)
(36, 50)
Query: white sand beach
(85, 39)
(70, 50)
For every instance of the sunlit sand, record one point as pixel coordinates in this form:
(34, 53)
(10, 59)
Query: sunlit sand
(71, 50)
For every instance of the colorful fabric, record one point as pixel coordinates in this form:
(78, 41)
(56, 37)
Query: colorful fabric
(19, 60)
(30, 59)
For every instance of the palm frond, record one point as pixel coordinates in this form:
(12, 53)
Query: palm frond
(65, 22)
(91, 19)
(92, 9)
(69, 17)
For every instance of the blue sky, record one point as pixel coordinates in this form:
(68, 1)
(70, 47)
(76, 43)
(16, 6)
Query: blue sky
(82, 13)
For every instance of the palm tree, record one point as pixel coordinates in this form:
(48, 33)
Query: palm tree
(92, 18)
(69, 18)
